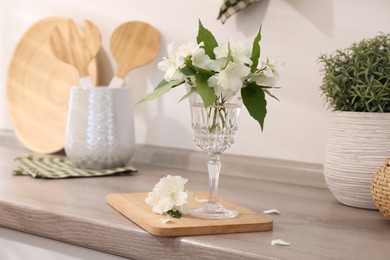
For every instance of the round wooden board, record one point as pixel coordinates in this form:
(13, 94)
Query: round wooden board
(38, 88)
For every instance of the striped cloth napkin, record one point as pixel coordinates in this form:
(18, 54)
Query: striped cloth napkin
(58, 167)
(230, 7)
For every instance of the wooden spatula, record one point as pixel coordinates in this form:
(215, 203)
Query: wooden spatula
(78, 49)
(132, 44)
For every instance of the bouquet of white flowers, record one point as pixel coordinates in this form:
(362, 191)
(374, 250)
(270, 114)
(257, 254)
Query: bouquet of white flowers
(217, 72)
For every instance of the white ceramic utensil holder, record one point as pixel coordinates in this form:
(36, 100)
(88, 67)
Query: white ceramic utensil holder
(100, 127)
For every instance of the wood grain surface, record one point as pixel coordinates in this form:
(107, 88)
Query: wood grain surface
(133, 206)
(133, 44)
(78, 48)
(75, 211)
(38, 88)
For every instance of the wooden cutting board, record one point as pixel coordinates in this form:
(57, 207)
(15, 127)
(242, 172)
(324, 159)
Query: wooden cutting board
(38, 88)
(133, 206)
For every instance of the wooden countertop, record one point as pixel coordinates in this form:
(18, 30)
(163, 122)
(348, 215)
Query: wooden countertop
(74, 210)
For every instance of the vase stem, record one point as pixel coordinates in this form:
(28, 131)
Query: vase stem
(212, 209)
(214, 168)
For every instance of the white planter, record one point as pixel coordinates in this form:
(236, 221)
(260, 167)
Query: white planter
(357, 145)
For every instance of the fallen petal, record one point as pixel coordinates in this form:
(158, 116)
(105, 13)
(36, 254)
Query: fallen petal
(167, 220)
(271, 211)
(201, 200)
(279, 242)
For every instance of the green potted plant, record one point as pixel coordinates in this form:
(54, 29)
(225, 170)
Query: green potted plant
(356, 86)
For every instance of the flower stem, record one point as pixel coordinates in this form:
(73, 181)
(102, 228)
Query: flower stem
(219, 112)
(214, 125)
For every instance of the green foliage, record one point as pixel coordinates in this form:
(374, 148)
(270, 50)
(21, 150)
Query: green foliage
(254, 100)
(208, 39)
(162, 88)
(358, 78)
(256, 51)
(229, 57)
(206, 93)
(174, 213)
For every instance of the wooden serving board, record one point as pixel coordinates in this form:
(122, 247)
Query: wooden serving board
(38, 88)
(133, 206)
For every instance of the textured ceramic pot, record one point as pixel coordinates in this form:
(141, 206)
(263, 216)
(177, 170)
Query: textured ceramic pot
(357, 145)
(100, 127)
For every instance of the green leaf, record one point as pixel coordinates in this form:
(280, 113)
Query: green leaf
(205, 72)
(188, 71)
(208, 39)
(161, 84)
(192, 91)
(256, 51)
(205, 91)
(161, 89)
(229, 57)
(266, 91)
(253, 98)
(174, 213)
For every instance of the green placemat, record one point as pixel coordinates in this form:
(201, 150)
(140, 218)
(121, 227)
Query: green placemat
(57, 167)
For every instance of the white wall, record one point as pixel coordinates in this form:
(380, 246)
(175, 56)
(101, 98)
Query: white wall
(295, 32)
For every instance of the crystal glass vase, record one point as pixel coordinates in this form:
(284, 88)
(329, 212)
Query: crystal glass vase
(215, 129)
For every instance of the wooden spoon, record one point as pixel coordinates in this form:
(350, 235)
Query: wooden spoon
(132, 44)
(79, 49)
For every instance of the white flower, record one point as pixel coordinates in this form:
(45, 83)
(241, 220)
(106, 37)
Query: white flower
(168, 194)
(270, 68)
(201, 59)
(188, 49)
(221, 51)
(230, 80)
(263, 80)
(241, 52)
(217, 65)
(170, 65)
(267, 75)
